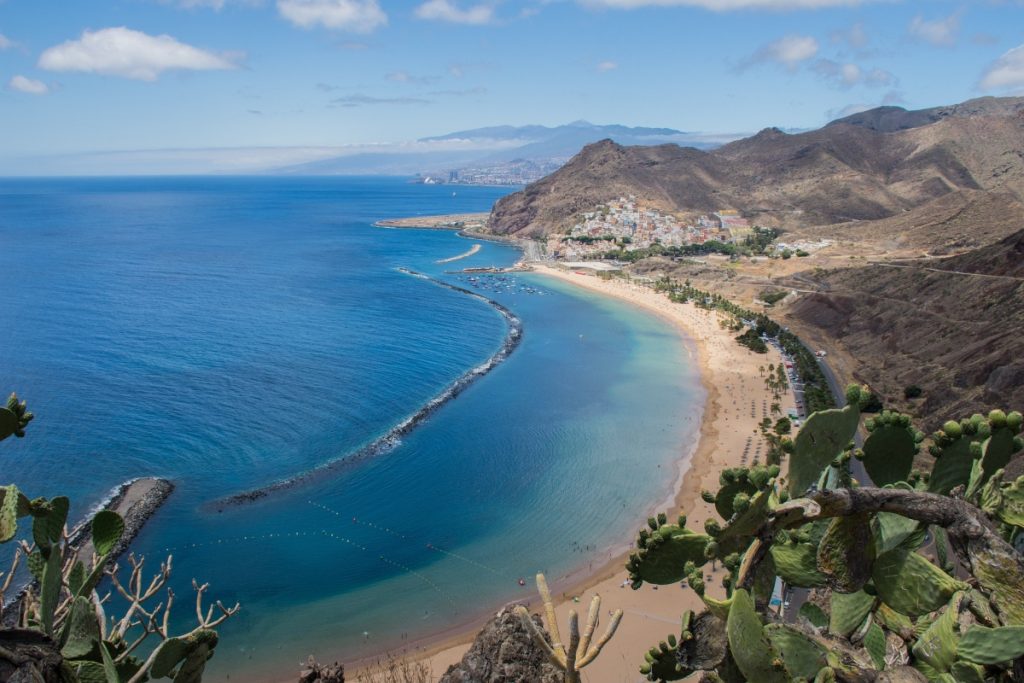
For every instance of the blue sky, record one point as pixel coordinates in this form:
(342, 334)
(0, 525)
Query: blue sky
(289, 80)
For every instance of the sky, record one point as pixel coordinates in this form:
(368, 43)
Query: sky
(142, 86)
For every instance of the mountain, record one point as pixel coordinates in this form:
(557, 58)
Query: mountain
(491, 150)
(871, 166)
(890, 119)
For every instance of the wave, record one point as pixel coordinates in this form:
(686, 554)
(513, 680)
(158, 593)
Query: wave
(393, 436)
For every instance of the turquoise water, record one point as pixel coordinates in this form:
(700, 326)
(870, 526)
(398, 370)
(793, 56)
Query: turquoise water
(228, 333)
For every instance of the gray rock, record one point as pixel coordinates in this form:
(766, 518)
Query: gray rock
(503, 652)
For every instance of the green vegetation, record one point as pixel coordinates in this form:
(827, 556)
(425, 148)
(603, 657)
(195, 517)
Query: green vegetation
(879, 609)
(773, 296)
(687, 250)
(912, 391)
(752, 340)
(760, 239)
(90, 643)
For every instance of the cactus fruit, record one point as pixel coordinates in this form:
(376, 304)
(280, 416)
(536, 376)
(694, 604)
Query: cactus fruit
(743, 524)
(701, 646)
(755, 656)
(14, 418)
(846, 553)
(822, 438)
(803, 657)
(734, 483)
(992, 645)
(848, 612)
(912, 585)
(663, 552)
(889, 450)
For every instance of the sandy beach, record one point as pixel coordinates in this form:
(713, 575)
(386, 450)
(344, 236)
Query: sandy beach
(736, 401)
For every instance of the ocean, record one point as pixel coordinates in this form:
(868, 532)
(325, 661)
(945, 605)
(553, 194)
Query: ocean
(230, 333)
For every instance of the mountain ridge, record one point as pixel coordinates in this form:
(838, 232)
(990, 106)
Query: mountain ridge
(848, 170)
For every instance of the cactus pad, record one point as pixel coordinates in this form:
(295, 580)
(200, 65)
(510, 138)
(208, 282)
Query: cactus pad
(821, 439)
(662, 554)
(912, 585)
(954, 457)
(848, 611)
(755, 656)
(889, 450)
(803, 656)
(797, 565)
(992, 645)
(846, 553)
(938, 644)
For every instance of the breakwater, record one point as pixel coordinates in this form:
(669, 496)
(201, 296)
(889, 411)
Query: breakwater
(393, 436)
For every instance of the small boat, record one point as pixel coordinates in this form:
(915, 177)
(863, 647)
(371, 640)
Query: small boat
(522, 581)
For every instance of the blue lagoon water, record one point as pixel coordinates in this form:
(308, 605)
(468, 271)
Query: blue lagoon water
(227, 333)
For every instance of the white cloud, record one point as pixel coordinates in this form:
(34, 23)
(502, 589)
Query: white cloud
(129, 54)
(940, 32)
(855, 36)
(1005, 72)
(5, 42)
(446, 10)
(28, 85)
(607, 66)
(726, 5)
(359, 16)
(849, 74)
(410, 79)
(880, 78)
(789, 51)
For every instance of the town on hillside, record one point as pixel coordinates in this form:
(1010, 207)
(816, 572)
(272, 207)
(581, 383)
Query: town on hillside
(628, 226)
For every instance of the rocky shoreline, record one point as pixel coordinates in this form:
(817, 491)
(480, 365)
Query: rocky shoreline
(136, 501)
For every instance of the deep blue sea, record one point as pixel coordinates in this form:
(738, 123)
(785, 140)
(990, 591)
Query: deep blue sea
(227, 333)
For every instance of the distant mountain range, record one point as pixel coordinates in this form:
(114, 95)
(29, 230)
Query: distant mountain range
(874, 165)
(498, 154)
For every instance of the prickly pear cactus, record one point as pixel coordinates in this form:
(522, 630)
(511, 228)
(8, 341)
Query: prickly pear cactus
(889, 450)
(912, 585)
(846, 553)
(822, 438)
(755, 655)
(14, 418)
(983, 645)
(1002, 443)
(954, 455)
(663, 550)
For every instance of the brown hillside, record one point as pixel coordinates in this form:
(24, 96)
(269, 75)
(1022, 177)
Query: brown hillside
(951, 326)
(851, 170)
